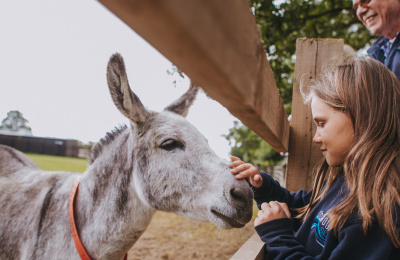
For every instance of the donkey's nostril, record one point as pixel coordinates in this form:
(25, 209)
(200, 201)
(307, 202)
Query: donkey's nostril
(238, 194)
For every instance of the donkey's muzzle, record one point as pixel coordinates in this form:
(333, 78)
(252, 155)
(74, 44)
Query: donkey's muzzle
(240, 197)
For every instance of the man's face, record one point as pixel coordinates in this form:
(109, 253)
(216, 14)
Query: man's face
(381, 17)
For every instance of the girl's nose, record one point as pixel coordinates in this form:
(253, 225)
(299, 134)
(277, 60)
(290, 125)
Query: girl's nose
(317, 137)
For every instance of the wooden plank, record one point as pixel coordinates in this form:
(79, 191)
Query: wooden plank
(217, 44)
(303, 154)
(253, 249)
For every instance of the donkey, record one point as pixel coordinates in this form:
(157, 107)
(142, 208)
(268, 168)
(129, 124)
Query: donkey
(160, 162)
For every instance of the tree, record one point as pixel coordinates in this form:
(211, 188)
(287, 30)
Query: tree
(280, 24)
(15, 124)
(250, 147)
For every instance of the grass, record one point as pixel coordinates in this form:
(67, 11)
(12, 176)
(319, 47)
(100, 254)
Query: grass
(58, 163)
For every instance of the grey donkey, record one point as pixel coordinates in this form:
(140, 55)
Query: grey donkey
(160, 162)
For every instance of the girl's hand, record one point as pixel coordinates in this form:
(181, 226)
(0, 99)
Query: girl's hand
(271, 211)
(245, 170)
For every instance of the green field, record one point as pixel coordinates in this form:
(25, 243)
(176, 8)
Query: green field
(58, 163)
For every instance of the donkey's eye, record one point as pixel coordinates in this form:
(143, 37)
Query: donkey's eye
(171, 144)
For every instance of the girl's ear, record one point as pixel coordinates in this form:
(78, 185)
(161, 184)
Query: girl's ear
(124, 99)
(181, 106)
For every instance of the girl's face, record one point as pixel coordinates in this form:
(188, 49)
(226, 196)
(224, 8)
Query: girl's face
(335, 132)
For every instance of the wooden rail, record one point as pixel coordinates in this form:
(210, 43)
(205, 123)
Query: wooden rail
(253, 249)
(217, 44)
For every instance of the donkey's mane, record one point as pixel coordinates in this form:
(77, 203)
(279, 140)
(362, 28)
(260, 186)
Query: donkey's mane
(110, 136)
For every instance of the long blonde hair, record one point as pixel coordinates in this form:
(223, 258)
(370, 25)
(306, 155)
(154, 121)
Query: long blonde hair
(370, 93)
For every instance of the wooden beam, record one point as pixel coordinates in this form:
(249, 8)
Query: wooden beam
(303, 154)
(253, 249)
(217, 44)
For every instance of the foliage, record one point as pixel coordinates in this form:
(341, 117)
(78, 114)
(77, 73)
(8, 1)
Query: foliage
(280, 24)
(15, 123)
(250, 147)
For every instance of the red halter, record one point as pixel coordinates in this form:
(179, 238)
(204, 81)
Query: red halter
(78, 244)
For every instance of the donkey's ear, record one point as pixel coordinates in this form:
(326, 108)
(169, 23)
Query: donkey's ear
(182, 105)
(126, 101)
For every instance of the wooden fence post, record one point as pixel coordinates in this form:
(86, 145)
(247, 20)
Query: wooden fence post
(303, 155)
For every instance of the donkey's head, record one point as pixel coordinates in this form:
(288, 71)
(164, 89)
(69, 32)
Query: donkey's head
(174, 168)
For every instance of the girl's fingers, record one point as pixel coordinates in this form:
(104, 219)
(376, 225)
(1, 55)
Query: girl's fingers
(275, 206)
(265, 206)
(235, 164)
(285, 208)
(240, 169)
(280, 208)
(234, 158)
(271, 211)
(240, 174)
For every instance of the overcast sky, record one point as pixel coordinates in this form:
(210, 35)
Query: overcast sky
(53, 58)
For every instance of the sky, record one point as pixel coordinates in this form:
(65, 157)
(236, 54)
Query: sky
(53, 59)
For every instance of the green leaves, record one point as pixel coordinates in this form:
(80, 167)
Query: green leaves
(250, 147)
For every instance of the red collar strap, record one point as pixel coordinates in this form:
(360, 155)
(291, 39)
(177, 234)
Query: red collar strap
(78, 244)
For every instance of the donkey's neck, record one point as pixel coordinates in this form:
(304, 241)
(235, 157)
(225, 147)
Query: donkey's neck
(110, 214)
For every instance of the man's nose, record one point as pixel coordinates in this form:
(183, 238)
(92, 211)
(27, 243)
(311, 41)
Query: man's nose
(362, 9)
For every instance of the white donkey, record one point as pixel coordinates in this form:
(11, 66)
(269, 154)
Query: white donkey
(160, 162)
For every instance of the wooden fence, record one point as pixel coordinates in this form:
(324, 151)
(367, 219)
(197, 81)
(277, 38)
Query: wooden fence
(217, 44)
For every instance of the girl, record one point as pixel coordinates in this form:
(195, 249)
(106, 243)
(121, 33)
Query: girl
(353, 211)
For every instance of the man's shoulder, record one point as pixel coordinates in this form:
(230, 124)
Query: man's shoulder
(380, 41)
(375, 50)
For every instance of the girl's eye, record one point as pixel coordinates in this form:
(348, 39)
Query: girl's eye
(321, 124)
(171, 144)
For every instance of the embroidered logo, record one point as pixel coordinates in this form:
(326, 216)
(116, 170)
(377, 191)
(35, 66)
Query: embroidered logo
(320, 226)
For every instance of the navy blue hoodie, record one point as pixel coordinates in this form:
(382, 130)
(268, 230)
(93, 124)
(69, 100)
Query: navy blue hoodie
(313, 240)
